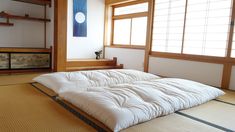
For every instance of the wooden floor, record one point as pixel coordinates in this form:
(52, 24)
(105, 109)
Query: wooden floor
(24, 108)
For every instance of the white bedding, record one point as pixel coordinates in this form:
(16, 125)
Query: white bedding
(123, 105)
(122, 98)
(80, 80)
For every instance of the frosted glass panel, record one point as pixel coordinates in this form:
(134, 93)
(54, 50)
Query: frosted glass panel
(168, 25)
(143, 7)
(122, 31)
(207, 27)
(139, 28)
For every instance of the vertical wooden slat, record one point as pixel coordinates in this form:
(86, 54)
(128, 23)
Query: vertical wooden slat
(106, 28)
(227, 69)
(149, 35)
(185, 16)
(226, 76)
(112, 28)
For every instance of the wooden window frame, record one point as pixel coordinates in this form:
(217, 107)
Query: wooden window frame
(127, 16)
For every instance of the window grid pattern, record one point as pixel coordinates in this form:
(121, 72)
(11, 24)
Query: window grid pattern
(131, 29)
(206, 26)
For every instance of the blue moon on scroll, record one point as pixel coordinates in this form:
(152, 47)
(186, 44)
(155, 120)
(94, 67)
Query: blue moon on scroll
(79, 18)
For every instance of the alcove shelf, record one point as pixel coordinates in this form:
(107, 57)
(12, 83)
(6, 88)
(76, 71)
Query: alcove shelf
(26, 17)
(16, 60)
(37, 2)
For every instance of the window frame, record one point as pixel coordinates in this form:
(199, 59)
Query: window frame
(201, 58)
(128, 16)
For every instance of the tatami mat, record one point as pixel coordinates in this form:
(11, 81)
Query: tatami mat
(228, 97)
(17, 78)
(172, 123)
(24, 109)
(214, 112)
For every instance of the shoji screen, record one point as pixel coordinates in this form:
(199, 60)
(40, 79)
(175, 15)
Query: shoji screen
(168, 25)
(207, 26)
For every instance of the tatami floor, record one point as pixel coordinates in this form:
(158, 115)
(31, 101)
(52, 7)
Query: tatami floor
(24, 108)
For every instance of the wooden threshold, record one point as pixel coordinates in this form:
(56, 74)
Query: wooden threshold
(91, 62)
(93, 68)
(2, 72)
(6, 24)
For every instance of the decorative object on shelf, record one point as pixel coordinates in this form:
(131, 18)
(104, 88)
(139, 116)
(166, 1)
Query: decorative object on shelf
(98, 53)
(26, 15)
(79, 18)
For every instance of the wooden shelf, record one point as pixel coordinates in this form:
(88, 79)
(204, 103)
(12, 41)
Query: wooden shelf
(9, 16)
(6, 24)
(37, 2)
(90, 62)
(32, 50)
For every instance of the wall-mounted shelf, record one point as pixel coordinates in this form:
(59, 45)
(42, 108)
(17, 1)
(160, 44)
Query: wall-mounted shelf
(37, 2)
(32, 50)
(26, 17)
(6, 24)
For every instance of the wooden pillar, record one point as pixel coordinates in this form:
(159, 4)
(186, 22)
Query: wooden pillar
(149, 35)
(60, 35)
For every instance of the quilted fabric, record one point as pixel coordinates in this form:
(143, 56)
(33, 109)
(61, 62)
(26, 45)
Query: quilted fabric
(124, 105)
(80, 80)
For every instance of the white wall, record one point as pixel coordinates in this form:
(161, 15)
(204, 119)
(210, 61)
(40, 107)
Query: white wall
(50, 25)
(23, 33)
(131, 58)
(232, 81)
(207, 73)
(84, 47)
